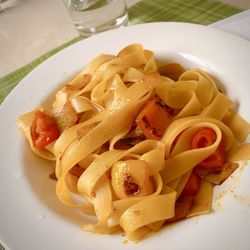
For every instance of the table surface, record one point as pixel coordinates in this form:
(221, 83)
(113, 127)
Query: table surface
(34, 27)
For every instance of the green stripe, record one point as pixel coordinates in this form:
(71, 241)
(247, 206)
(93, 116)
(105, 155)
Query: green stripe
(193, 11)
(8, 82)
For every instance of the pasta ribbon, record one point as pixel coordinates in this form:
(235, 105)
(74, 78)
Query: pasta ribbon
(125, 152)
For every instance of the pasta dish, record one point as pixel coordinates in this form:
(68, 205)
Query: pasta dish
(136, 144)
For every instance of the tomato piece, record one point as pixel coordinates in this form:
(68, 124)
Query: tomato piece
(182, 208)
(216, 159)
(193, 185)
(53, 176)
(76, 171)
(153, 119)
(204, 138)
(44, 130)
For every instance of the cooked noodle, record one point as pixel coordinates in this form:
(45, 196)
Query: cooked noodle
(137, 188)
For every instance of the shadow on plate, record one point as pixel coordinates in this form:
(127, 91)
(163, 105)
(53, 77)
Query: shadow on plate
(37, 172)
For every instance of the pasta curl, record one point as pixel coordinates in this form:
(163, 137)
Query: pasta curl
(141, 144)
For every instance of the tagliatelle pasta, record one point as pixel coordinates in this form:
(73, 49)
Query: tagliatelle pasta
(139, 145)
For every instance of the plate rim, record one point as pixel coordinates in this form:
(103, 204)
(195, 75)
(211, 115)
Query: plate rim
(14, 92)
(201, 26)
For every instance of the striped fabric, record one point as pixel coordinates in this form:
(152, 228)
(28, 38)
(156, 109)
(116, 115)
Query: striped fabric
(193, 11)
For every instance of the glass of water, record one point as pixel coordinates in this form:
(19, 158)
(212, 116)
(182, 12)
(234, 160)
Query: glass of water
(93, 16)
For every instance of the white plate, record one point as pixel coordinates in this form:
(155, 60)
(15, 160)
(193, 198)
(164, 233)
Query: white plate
(32, 218)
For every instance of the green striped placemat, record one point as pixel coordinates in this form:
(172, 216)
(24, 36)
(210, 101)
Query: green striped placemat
(193, 11)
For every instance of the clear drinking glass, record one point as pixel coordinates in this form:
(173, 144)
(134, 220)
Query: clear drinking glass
(92, 16)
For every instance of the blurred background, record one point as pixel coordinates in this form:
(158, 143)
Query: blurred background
(34, 27)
